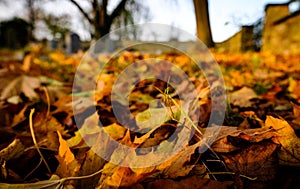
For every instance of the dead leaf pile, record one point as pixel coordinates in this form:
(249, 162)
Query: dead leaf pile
(87, 146)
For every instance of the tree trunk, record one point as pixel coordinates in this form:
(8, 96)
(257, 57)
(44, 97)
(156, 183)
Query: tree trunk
(101, 20)
(202, 20)
(31, 9)
(101, 30)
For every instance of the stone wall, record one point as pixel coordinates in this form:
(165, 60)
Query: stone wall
(232, 44)
(239, 42)
(282, 30)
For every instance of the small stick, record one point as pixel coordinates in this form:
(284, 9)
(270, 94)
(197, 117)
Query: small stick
(231, 173)
(63, 180)
(184, 113)
(34, 140)
(32, 171)
(48, 100)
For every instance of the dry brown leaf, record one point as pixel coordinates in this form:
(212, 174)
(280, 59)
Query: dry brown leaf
(68, 165)
(178, 166)
(223, 145)
(259, 160)
(20, 117)
(62, 105)
(22, 84)
(92, 163)
(124, 176)
(242, 97)
(238, 138)
(296, 110)
(114, 175)
(289, 153)
(43, 124)
(255, 135)
(157, 136)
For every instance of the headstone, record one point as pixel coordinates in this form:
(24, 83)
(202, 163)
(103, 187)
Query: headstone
(73, 43)
(53, 44)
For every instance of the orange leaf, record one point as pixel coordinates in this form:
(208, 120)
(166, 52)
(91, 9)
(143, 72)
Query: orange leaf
(68, 165)
(124, 176)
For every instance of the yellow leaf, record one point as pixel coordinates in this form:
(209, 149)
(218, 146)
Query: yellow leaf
(294, 88)
(57, 56)
(124, 176)
(289, 153)
(115, 131)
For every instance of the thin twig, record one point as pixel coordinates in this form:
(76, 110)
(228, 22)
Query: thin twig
(48, 183)
(82, 177)
(30, 173)
(209, 170)
(48, 101)
(231, 173)
(184, 113)
(34, 140)
(167, 96)
(63, 180)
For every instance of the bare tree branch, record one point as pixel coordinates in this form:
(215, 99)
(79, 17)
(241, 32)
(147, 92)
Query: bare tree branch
(104, 7)
(117, 11)
(96, 11)
(91, 21)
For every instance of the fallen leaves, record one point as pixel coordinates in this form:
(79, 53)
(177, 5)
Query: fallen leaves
(80, 144)
(180, 165)
(22, 84)
(257, 161)
(124, 176)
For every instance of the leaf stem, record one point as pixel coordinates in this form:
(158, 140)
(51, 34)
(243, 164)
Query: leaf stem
(48, 100)
(34, 140)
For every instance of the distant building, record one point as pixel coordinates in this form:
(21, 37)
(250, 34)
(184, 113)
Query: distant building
(281, 32)
(14, 34)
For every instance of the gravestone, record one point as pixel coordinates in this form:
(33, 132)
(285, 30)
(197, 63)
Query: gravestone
(73, 43)
(53, 44)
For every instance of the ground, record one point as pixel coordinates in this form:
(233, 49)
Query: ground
(51, 138)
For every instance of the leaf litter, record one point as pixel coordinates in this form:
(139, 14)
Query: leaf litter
(259, 137)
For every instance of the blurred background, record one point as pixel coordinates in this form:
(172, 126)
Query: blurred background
(230, 25)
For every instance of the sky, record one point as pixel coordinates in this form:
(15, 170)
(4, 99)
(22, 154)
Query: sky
(226, 16)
